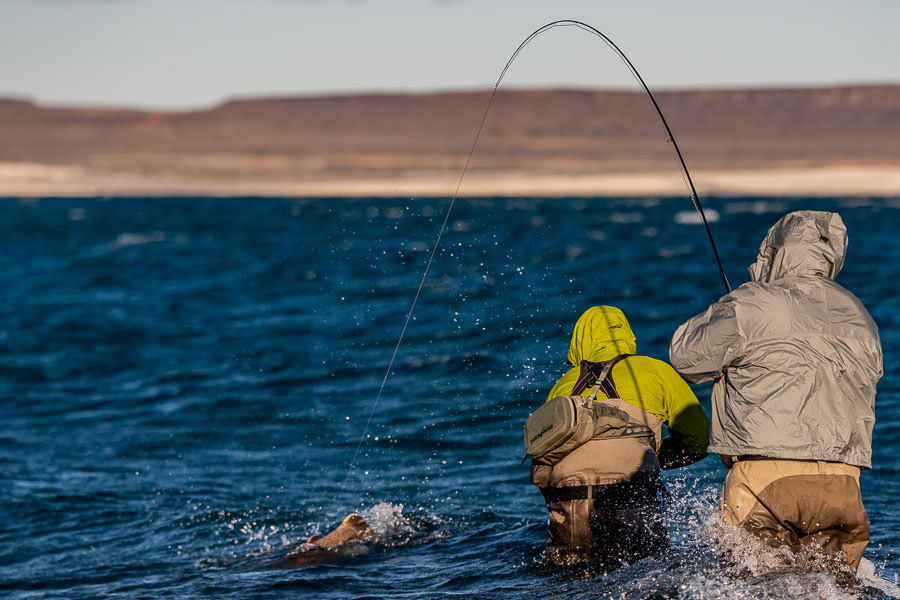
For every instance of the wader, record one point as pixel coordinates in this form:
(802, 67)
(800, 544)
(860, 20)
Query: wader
(603, 498)
(809, 506)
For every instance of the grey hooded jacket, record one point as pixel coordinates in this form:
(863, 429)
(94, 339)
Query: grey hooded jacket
(795, 356)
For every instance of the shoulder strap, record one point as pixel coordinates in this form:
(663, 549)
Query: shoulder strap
(603, 379)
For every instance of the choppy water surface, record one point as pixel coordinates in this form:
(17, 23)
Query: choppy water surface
(185, 383)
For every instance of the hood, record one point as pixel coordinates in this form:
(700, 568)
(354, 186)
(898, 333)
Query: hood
(601, 333)
(805, 242)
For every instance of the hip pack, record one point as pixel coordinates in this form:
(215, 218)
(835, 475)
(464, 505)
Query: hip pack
(566, 422)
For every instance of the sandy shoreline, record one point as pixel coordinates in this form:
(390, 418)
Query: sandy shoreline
(41, 180)
(832, 141)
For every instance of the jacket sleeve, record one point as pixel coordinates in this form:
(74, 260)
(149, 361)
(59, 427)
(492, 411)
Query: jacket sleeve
(703, 346)
(688, 424)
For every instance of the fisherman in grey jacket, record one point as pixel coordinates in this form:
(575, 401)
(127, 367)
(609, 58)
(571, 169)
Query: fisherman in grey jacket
(795, 358)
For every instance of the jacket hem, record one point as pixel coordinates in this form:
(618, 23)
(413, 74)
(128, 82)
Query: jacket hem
(853, 461)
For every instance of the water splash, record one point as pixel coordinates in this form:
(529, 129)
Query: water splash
(387, 521)
(253, 543)
(867, 577)
(749, 568)
(393, 527)
(709, 559)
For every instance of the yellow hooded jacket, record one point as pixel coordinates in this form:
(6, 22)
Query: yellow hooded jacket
(602, 333)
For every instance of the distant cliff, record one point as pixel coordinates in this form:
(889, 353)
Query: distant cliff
(407, 137)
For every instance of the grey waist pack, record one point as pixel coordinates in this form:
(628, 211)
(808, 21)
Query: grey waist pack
(566, 422)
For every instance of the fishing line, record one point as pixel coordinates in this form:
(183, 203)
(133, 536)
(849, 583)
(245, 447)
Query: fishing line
(418, 293)
(671, 138)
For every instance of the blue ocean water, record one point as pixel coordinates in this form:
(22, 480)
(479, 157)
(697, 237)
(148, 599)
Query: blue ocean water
(189, 390)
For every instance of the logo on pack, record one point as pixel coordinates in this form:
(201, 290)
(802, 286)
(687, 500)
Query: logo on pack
(541, 433)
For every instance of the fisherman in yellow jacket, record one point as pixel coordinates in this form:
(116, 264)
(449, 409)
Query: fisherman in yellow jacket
(603, 498)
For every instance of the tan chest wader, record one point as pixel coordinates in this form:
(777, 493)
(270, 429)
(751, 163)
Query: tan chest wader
(598, 473)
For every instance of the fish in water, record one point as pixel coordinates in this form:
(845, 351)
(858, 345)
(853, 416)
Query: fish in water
(345, 540)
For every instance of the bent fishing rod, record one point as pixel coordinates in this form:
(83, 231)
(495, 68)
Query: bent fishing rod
(671, 138)
(695, 198)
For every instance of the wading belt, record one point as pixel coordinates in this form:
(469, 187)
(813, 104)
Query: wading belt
(749, 457)
(639, 486)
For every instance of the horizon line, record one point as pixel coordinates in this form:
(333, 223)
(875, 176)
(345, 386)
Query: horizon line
(335, 94)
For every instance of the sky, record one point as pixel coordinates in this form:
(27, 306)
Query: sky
(186, 54)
